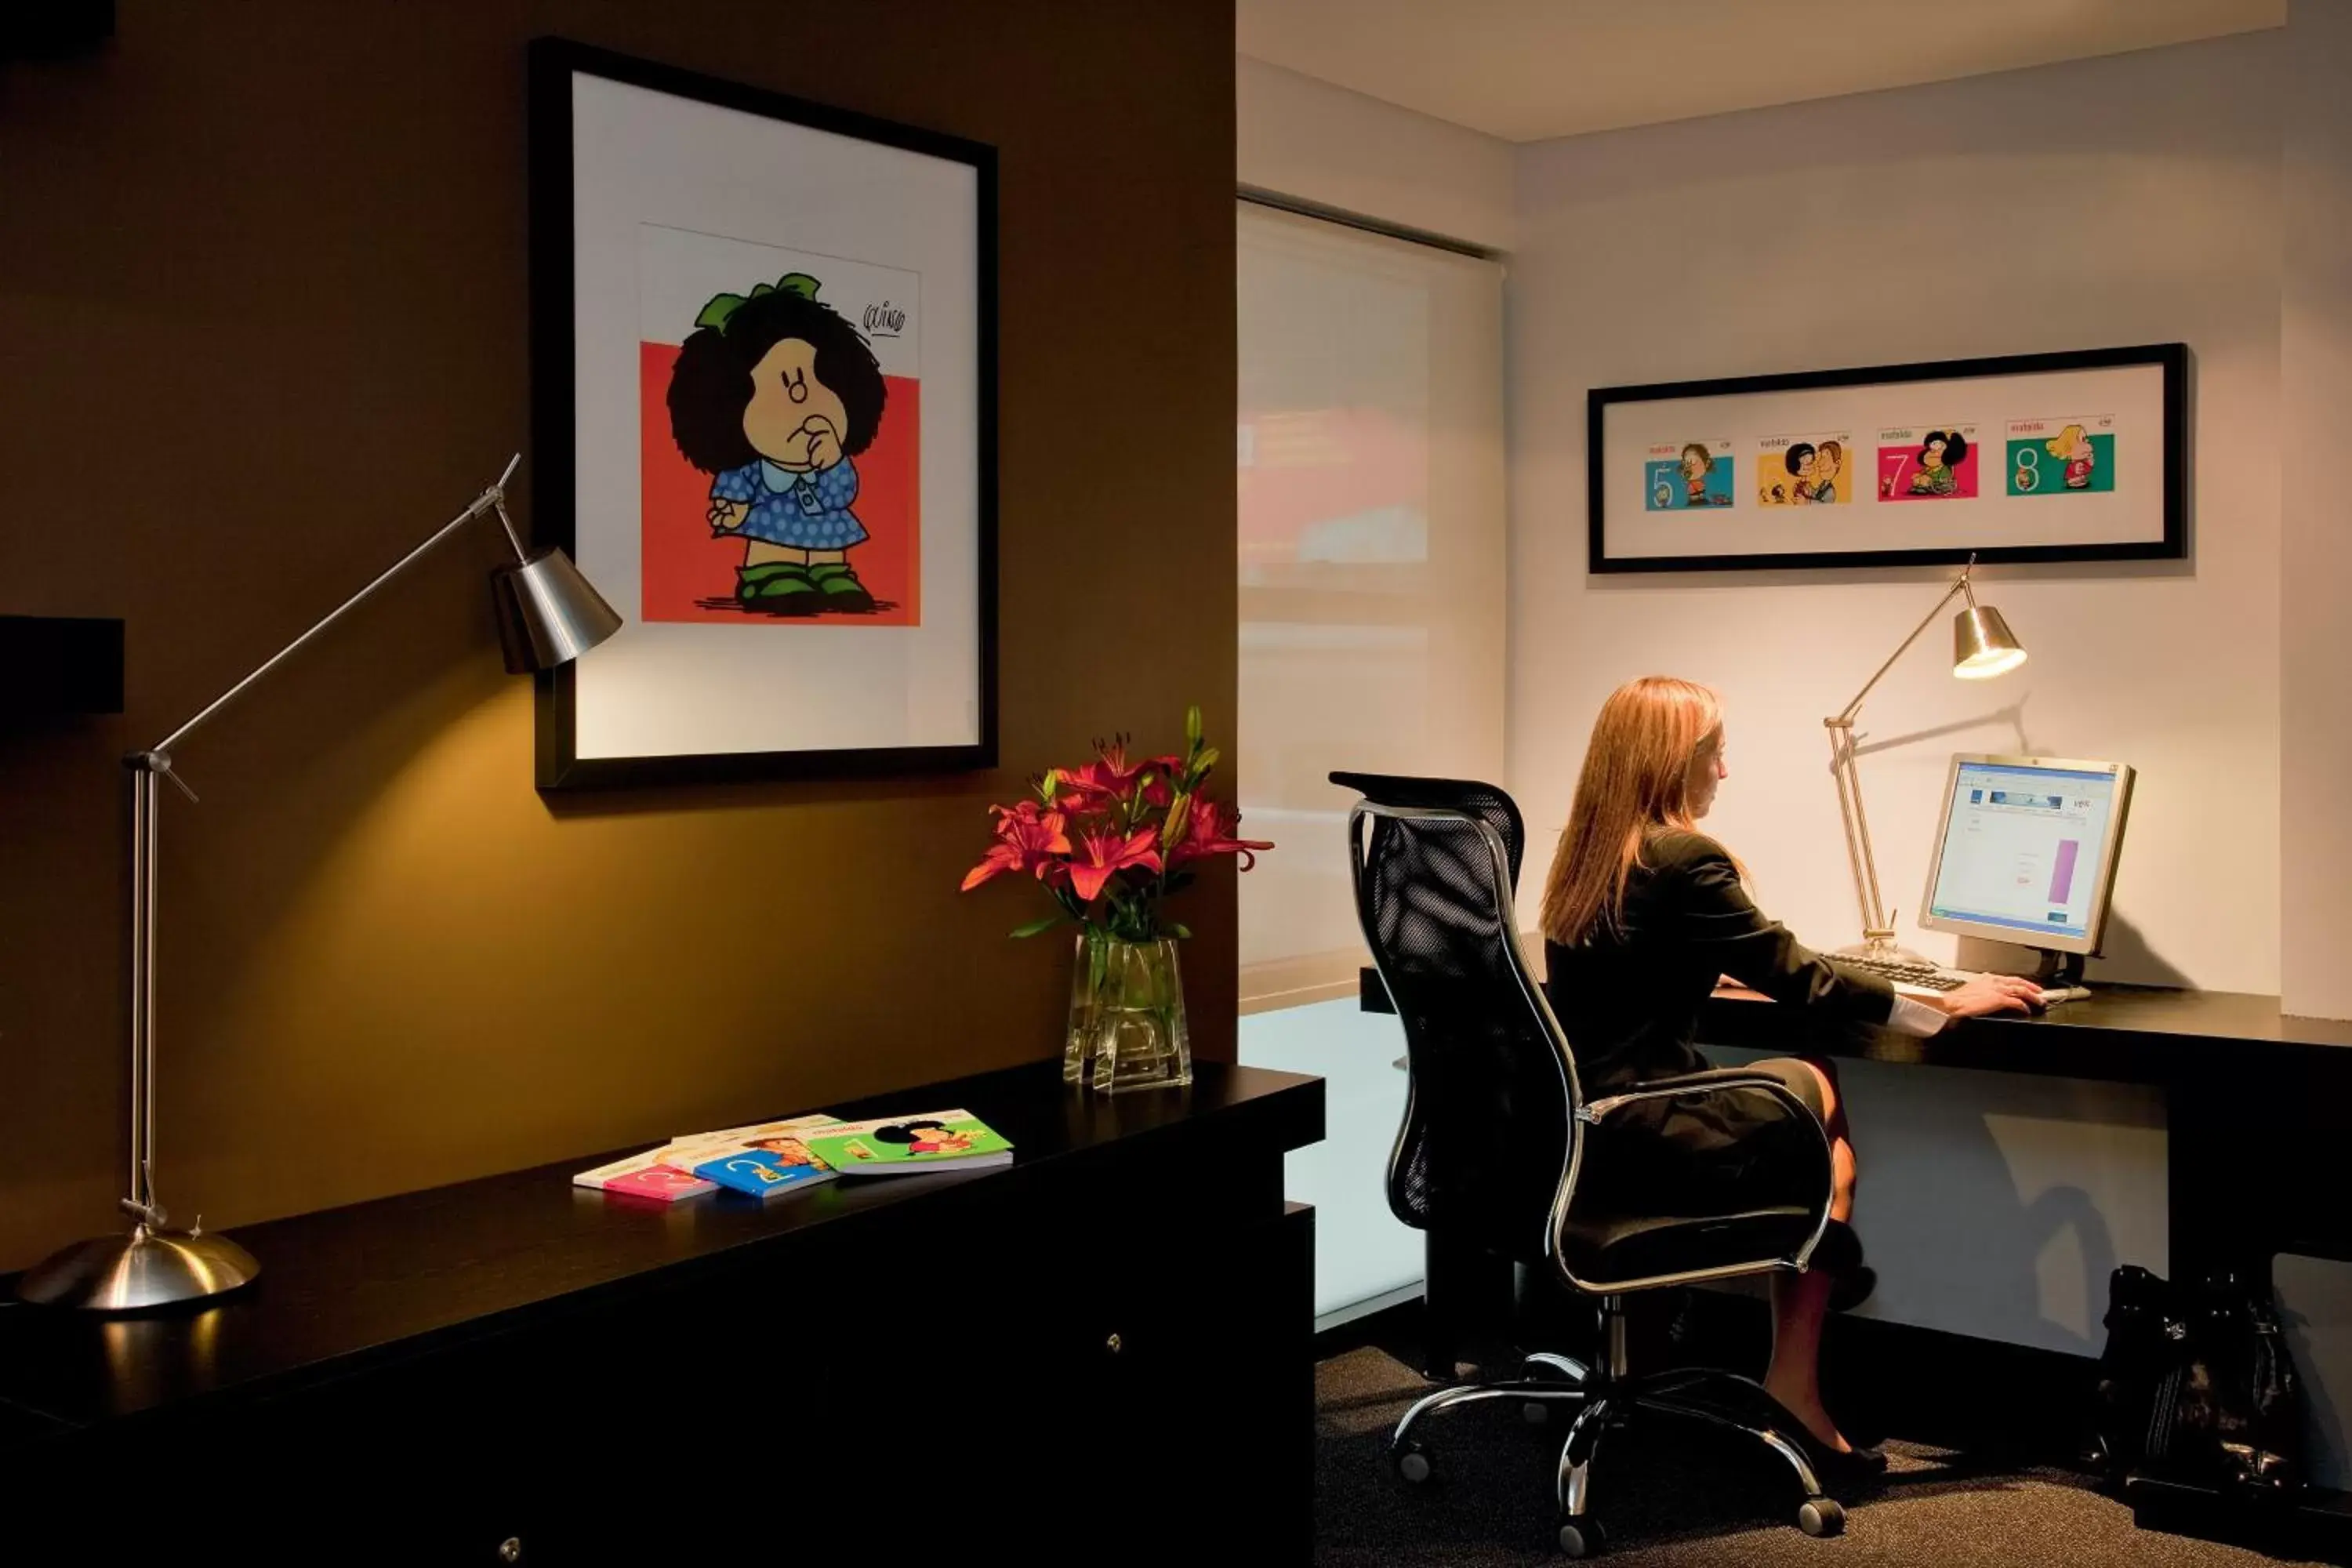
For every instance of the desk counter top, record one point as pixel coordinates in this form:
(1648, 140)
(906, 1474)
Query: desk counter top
(2123, 1034)
(347, 1288)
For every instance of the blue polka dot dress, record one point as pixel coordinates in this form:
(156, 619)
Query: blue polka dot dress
(804, 511)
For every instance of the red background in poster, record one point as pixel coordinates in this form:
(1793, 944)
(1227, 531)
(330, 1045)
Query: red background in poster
(686, 563)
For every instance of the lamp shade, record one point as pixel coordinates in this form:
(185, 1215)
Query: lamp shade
(1982, 644)
(548, 612)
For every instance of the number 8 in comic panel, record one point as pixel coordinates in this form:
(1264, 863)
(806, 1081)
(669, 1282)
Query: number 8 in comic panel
(2068, 454)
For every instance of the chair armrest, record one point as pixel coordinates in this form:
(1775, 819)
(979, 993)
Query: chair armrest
(1715, 1080)
(1729, 1080)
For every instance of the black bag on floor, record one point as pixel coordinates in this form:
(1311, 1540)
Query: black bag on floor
(2196, 1385)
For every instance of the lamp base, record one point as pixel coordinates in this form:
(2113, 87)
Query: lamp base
(138, 1271)
(1884, 950)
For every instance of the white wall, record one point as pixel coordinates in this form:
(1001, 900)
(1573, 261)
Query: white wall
(2125, 200)
(2315, 750)
(1307, 139)
(2133, 199)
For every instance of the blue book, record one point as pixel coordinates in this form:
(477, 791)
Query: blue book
(759, 1172)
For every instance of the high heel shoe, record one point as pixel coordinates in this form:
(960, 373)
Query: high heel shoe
(1841, 1468)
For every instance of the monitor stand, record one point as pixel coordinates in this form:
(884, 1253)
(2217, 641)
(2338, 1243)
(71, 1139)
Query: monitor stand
(2059, 971)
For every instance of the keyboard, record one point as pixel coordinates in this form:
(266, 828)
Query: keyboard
(1927, 976)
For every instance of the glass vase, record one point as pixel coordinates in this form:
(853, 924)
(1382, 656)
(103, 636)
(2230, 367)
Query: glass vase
(1126, 1016)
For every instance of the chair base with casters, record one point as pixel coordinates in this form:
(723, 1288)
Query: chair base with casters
(1605, 1396)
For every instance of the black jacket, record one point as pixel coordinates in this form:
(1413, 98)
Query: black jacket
(1628, 996)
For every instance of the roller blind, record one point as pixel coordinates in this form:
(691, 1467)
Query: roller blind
(1370, 457)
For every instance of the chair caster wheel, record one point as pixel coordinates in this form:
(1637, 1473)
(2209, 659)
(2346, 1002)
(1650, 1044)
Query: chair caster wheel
(1822, 1518)
(1411, 1465)
(1582, 1537)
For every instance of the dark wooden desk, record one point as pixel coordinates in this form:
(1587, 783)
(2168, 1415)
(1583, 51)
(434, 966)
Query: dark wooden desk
(1011, 1362)
(2258, 1113)
(2258, 1101)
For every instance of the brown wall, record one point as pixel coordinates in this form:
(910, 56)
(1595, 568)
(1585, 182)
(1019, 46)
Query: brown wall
(262, 325)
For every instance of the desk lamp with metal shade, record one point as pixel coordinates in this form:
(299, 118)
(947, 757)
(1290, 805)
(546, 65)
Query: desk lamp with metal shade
(1982, 647)
(548, 615)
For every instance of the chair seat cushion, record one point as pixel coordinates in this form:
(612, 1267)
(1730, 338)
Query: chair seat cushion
(1602, 1247)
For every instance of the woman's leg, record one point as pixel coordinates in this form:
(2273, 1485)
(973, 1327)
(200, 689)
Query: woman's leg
(1800, 1302)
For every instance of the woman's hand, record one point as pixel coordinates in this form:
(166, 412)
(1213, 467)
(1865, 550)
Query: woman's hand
(1988, 993)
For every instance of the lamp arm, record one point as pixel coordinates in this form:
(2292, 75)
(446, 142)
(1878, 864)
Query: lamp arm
(1959, 585)
(492, 500)
(1877, 925)
(141, 1202)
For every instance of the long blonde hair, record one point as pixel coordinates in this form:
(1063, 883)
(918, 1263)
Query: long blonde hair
(1635, 783)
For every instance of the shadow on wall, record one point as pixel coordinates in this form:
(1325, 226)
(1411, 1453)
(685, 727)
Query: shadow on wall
(2126, 958)
(2012, 717)
(1973, 1241)
(2000, 1211)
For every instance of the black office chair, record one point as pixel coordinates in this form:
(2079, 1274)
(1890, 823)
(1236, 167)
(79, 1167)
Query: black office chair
(1494, 1137)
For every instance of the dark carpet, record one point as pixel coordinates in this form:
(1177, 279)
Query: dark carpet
(1673, 1494)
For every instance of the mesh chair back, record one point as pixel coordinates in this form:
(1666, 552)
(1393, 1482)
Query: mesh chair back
(1489, 1135)
(1468, 796)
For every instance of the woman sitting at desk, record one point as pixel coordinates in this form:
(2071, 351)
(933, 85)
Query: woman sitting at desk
(1641, 915)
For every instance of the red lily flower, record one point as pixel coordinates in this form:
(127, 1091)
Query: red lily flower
(1028, 838)
(1101, 856)
(1209, 830)
(1108, 776)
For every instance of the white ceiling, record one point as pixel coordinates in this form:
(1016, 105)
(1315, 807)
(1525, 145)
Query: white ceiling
(1527, 70)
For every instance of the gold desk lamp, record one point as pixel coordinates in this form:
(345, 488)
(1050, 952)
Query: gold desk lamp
(1982, 647)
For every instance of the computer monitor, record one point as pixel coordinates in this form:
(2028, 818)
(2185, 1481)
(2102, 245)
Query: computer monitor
(2026, 850)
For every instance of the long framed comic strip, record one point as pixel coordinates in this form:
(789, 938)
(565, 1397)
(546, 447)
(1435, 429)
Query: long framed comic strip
(2058, 456)
(763, 343)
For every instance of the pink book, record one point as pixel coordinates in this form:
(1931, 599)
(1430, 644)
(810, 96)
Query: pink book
(646, 1176)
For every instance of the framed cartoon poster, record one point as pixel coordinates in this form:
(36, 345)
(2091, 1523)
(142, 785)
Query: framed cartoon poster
(2061, 457)
(763, 349)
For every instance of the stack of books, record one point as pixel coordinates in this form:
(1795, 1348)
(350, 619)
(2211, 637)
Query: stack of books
(772, 1157)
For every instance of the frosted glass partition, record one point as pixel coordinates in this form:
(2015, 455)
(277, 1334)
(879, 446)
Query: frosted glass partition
(1371, 549)
(1364, 1257)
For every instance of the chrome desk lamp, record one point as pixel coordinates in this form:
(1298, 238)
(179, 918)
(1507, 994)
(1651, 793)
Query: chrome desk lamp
(548, 615)
(1982, 647)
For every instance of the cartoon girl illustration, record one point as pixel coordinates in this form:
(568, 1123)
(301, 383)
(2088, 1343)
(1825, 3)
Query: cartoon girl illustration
(786, 1151)
(1801, 462)
(1827, 465)
(773, 395)
(925, 1137)
(1698, 463)
(1937, 453)
(2075, 447)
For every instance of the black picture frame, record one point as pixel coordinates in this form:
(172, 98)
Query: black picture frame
(2172, 358)
(552, 64)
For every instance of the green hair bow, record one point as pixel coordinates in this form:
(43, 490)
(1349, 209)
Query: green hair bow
(722, 306)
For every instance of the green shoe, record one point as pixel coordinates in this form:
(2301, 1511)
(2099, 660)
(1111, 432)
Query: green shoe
(749, 580)
(840, 586)
(778, 588)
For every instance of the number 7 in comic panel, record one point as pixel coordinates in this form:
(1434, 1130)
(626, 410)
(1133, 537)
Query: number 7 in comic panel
(1927, 462)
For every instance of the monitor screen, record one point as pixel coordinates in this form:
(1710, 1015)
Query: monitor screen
(2026, 847)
